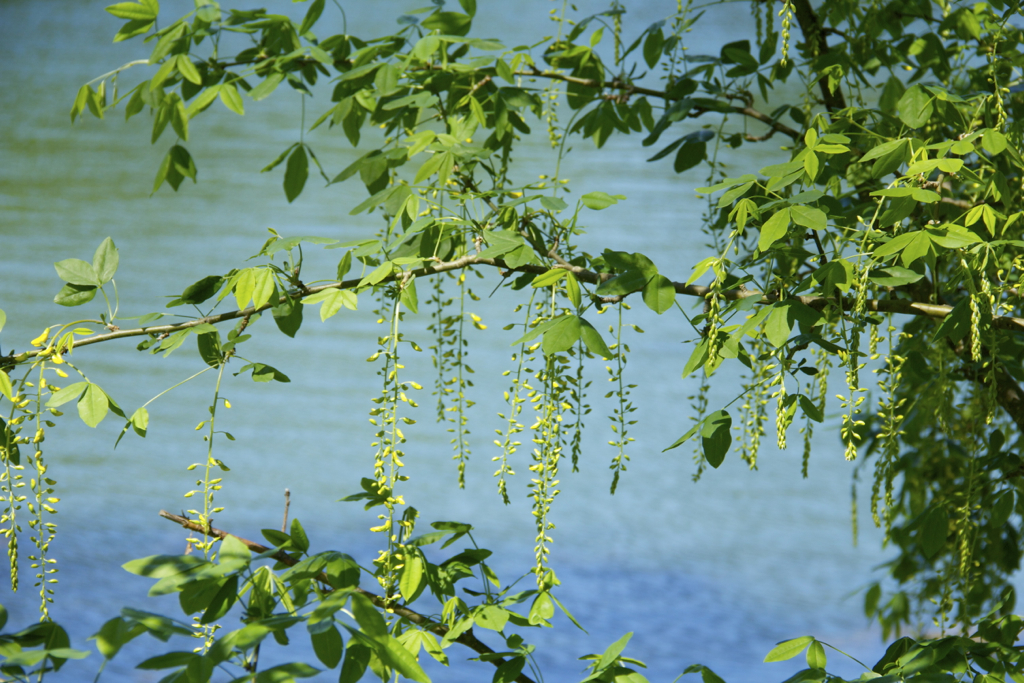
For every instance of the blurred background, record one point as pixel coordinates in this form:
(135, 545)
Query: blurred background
(714, 572)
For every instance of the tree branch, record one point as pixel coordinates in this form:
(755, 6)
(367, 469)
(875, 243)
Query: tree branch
(629, 88)
(467, 638)
(902, 306)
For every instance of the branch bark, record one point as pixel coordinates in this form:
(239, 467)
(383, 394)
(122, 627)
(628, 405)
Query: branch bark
(467, 638)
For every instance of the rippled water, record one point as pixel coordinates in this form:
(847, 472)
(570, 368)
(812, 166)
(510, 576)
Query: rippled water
(713, 572)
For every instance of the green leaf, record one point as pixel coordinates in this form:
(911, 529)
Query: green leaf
(811, 165)
(7, 443)
(328, 646)
(77, 272)
(357, 657)
(222, 601)
(263, 287)
(592, 338)
(409, 298)
(784, 315)
(934, 531)
(298, 536)
(368, 617)
(993, 141)
(716, 437)
(93, 405)
(957, 323)
(600, 200)
(401, 660)
(563, 336)
(915, 107)
(245, 283)
(451, 23)
(572, 288)
(542, 609)
(104, 261)
(653, 45)
(689, 155)
(160, 566)
(774, 229)
(612, 652)
(539, 330)
(187, 69)
(816, 656)
(413, 578)
(788, 649)
(894, 276)
(140, 421)
(113, 635)
(201, 290)
(231, 99)
(75, 295)
(553, 203)
(209, 348)
(883, 149)
(264, 89)
(621, 285)
(312, 14)
(810, 409)
(67, 394)
(295, 173)
(549, 278)
(3, 321)
(5, 388)
(659, 294)
(491, 617)
(809, 217)
(202, 100)
(132, 10)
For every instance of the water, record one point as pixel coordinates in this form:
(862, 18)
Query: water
(714, 572)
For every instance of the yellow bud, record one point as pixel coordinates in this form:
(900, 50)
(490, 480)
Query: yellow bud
(41, 339)
(227, 403)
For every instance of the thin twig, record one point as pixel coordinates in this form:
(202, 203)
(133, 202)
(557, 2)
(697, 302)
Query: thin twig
(287, 504)
(902, 306)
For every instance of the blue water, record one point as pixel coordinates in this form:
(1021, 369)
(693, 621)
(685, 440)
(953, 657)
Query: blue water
(714, 572)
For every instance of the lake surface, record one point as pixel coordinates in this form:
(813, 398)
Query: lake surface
(714, 572)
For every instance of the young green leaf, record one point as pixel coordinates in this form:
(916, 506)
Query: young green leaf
(600, 200)
(413, 577)
(77, 272)
(816, 658)
(93, 405)
(104, 261)
(612, 652)
(774, 229)
(5, 386)
(572, 288)
(788, 649)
